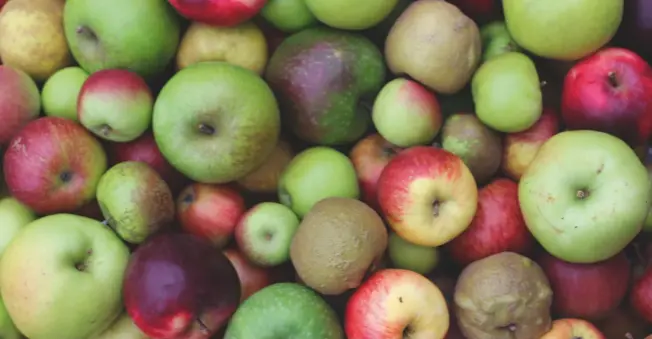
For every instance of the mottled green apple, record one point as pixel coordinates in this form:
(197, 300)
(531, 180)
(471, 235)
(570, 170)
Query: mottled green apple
(496, 40)
(284, 310)
(288, 15)
(351, 15)
(216, 122)
(141, 36)
(507, 93)
(585, 196)
(60, 92)
(61, 277)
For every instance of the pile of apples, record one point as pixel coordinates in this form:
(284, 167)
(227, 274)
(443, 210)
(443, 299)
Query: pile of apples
(159, 157)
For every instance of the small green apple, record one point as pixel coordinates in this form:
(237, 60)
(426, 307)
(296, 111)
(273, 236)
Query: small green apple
(409, 256)
(351, 15)
(288, 15)
(284, 310)
(585, 196)
(265, 232)
(60, 92)
(507, 93)
(135, 201)
(315, 174)
(496, 40)
(61, 277)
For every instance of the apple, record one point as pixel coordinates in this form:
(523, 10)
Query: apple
(20, 102)
(640, 296)
(210, 211)
(427, 195)
(636, 29)
(123, 328)
(396, 303)
(497, 226)
(218, 12)
(369, 156)
(575, 297)
(622, 324)
(288, 15)
(53, 165)
(115, 104)
(570, 328)
(521, 147)
(180, 286)
(264, 179)
(13, 216)
(252, 278)
(479, 10)
(61, 91)
(61, 277)
(610, 91)
(264, 233)
(409, 256)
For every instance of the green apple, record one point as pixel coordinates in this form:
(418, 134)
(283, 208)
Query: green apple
(409, 256)
(265, 232)
(122, 328)
(351, 15)
(585, 196)
(562, 29)
(135, 201)
(317, 173)
(141, 36)
(406, 114)
(7, 328)
(284, 310)
(496, 40)
(288, 15)
(60, 92)
(647, 226)
(61, 277)
(216, 122)
(507, 93)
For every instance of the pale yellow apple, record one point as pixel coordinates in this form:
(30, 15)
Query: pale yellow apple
(123, 328)
(242, 45)
(573, 328)
(13, 216)
(32, 37)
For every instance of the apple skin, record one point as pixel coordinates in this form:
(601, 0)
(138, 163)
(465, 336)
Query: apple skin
(386, 305)
(497, 226)
(573, 297)
(178, 286)
(123, 328)
(218, 12)
(265, 178)
(115, 104)
(520, 148)
(252, 278)
(53, 165)
(610, 91)
(406, 255)
(369, 156)
(20, 102)
(60, 92)
(570, 328)
(61, 277)
(210, 211)
(640, 296)
(621, 323)
(409, 192)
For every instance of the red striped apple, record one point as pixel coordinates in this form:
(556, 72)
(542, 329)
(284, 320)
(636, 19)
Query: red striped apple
(218, 12)
(20, 102)
(427, 195)
(395, 304)
(570, 328)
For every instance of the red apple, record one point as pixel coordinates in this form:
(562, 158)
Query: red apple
(479, 10)
(520, 148)
(588, 291)
(641, 295)
(369, 157)
(144, 149)
(573, 329)
(497, 226)
(178, 286)
(91, 210)
(427, 195)
(622, 324)
(218, 12)
(20, 102)
(210, 211)
(252, 278)
(610, 91)
(394, 304)
(53, 165)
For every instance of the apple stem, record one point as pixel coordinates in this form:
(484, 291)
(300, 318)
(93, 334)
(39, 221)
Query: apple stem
(435, 208)
(582, 194)
(543, 83)
(86, 32)
(613, 81)
(202, 326)
(206, 129)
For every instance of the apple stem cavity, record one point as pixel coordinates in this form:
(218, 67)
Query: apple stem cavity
(65, 176)
(202, 326)
(435, 208)
(206, 129)
(105, 130)
(613, 80)
(86, 32)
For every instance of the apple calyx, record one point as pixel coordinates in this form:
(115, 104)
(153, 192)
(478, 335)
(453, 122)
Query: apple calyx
(66, 176)
(104, 130)
(582, 194)
(613, 80)
(436, 207)
(206, 129)
(82, 265)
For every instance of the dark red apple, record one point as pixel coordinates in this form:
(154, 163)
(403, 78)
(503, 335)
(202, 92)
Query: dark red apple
(252, 278)
(90, 210)
(479, 10)
(218, 12)
(53, 165)
(178, 286)
(610, 91)
(497, 226)
(640, 296)
(588, 291)
(622, 324)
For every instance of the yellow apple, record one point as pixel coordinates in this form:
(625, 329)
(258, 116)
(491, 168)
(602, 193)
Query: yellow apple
(573, 328)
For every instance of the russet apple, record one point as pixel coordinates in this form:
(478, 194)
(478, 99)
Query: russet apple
(369, 156)
(394, 304)
(569, 328)
(427, 195)
(252, 278)
(640, 296)
(210, 211)
(180, 286)
(53, 165)
(521, 147)
(610, 91)
(497, 226)
(218, 12)
(20, 102)
(587, 291)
